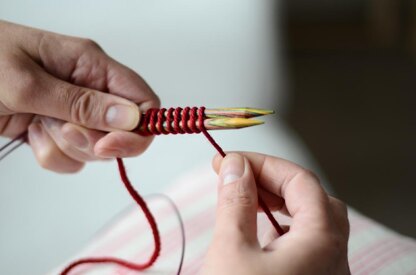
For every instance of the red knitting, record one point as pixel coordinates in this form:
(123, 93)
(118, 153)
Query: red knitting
(172, 121)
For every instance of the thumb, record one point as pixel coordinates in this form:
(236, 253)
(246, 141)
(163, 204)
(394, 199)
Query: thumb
(237, 201)
(87, 107)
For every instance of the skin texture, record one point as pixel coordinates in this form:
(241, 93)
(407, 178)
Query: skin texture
(315, 243)
(62, 89)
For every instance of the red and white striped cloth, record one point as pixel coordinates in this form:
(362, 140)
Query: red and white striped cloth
(373, 249)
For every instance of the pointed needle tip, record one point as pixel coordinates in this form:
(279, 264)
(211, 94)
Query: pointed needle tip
(253, 122)
(237, 112)
(258, 112)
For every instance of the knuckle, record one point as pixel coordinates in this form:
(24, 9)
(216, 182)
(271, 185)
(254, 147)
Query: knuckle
(83, 106)
(307, 174)
(157, 101)
(340, 211)
(240, 200)
(87, 43)
(340, 205)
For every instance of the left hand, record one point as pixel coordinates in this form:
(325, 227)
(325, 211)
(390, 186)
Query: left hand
(77, 103)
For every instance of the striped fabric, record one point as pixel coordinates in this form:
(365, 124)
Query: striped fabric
(373, 249)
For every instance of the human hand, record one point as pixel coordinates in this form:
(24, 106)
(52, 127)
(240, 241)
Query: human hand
(76, 102)
(316, 242)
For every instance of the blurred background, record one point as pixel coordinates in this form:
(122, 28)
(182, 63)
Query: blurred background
(352, 74)
(340, 74)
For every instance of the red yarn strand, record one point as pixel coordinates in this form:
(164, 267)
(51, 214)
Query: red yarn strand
(153, 225)
(262, 204)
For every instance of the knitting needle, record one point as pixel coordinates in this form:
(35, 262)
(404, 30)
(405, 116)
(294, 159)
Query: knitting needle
(243, 112)
(233, 118)
(230, 123)
(222, 123)
(10, 147)
(216, 119)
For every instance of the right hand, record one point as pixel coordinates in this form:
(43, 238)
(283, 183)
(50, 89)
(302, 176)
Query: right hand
(76, 102)
(316, 242)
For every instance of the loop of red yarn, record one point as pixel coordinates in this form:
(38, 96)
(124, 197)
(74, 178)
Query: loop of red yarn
(172, 121)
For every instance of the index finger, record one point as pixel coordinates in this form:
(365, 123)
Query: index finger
(305, 199)
(126, 83)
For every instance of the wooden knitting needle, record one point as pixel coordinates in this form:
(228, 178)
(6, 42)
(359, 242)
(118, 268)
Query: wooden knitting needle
(214, 119)
(219, 123)
(244, 112)
(223, 123)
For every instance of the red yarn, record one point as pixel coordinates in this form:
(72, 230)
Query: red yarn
(172, 121)
(156, 237)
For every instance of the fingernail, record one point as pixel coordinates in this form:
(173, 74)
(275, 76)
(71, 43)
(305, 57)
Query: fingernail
(122, 117)
(75, 138)
(49, 122)
(232, 168)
